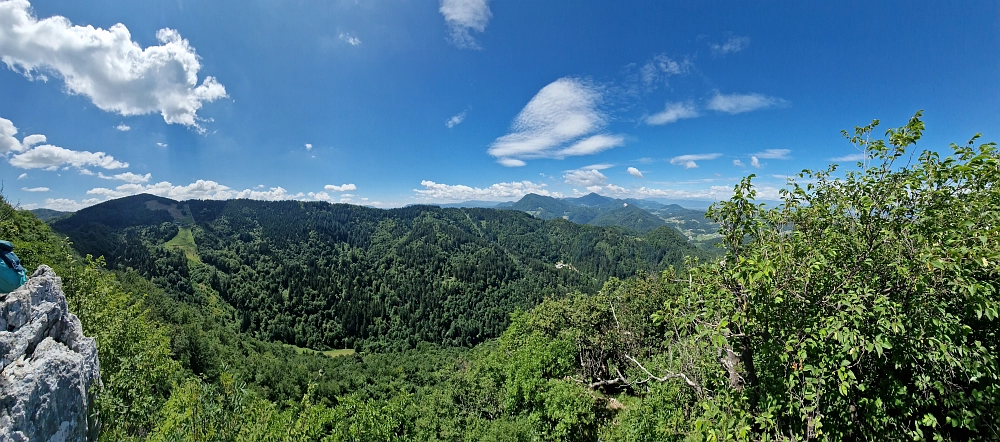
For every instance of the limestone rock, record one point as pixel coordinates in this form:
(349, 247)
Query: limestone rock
(50, 368)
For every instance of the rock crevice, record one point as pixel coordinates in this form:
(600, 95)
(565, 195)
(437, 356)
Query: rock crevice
(50, 369)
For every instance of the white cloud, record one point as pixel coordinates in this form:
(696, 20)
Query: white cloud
(200, 189)
(755, 162)
(511, 162)
(634, 172)
(585, 178)
(106, 66)
(35, 189)
(851, 157)
(671, 113)
(161, 144)
(773, 154)
(309, 146)
(600, 166)
(738, 163)
(688, 161)
(662, 67)
(51, 157)
(86, 171)
(8, 143)
(68, 205)
(731, 46)
(128, 177)
(340, 188)
(561, 120)
(123, 127)
(739, 103)
(463, 16)
(22, 176)
(498, 192)
(455, 120)
(353, 41)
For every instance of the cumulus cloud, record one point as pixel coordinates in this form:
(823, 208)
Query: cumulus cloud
(8, 143)
(689, 161)
(731, 46)
(309, 146)
(200, 189)
(561, 120)
(64, 204)
(755, 162)
(738, 163)
(351, 40)
(671, 113)
(662, 67)
(498, 192)
(340, 188)
(585, 178)
(51, 157)
(123, 127)
(634, 172)
(739, 103)
(455, 121)
(106, 66)
(463, 17)
(773, 154)
(35, 189)
(128, 177)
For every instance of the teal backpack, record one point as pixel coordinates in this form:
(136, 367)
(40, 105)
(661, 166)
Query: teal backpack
(12, 275)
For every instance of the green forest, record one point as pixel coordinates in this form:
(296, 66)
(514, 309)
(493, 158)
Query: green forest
(864, 306)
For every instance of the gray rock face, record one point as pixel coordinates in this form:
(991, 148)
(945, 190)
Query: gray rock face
(49, 366)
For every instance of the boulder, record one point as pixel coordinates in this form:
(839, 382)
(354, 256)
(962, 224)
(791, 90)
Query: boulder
(50, 369)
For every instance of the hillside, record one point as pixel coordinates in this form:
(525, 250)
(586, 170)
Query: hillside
(322, 276)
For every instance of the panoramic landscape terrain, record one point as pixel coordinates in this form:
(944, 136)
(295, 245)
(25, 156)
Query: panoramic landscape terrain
(467, 220)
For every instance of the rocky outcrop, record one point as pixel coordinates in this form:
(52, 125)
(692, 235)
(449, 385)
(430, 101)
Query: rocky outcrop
(50, 369)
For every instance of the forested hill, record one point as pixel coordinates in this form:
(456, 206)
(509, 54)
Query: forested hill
(325, 275)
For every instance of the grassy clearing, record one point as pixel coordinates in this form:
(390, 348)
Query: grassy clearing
(185, 241)
(330, 353)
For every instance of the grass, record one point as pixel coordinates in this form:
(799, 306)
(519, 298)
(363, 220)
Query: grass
(330, 353)
(185, 241)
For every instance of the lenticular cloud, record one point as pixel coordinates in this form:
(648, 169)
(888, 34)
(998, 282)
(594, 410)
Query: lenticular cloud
(106, 66)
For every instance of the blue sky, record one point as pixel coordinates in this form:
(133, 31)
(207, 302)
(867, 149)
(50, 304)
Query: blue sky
(388, 103)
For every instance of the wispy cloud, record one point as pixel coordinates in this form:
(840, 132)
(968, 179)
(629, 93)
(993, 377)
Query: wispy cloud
(635, 172)
(773, 154)
(463, 17)
(731, 46)
(349, 39)
(689, 161)
(655, 72)
(455, 120)
(106, 66)
(161, 144)
(22, 176)
(739, 103)
(561, 120)
(340, 188)
(35, 189)
(498, 192)
(851, 157)
(671, 113)
(123, 127)
(738, 163)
